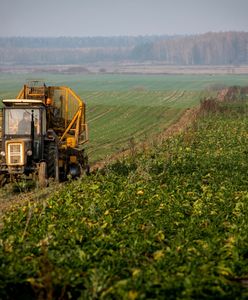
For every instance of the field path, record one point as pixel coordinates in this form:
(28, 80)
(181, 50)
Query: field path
(186, 119)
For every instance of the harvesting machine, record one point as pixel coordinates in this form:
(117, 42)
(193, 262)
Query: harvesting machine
(43, 134)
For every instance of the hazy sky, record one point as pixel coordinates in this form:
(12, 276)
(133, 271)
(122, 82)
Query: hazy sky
(120, 17)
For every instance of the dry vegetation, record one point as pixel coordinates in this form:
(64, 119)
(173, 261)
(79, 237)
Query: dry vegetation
(127, 68)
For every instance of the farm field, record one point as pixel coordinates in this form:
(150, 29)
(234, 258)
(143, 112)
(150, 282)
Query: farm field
(169, 222)
(124, 109)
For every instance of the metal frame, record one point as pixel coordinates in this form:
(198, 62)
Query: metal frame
(79, 117)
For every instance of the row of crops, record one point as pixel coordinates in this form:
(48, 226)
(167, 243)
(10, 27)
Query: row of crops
(124, 107)
(114, 117)
(167, 223)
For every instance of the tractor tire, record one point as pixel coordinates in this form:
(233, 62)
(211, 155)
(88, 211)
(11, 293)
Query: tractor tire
(51, 157)
(87, 169)
(42, 174)
(3, 180)
(85, 165)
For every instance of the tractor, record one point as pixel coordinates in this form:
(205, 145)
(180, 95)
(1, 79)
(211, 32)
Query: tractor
(43, 133)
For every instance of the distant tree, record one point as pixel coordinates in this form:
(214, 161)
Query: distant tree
(208, 49)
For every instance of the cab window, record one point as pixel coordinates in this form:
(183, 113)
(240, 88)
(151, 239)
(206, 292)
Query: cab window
(18, 121)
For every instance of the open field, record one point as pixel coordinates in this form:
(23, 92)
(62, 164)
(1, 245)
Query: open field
(124, 109)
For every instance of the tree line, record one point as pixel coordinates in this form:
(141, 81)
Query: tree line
(221, 48)
(77, 42)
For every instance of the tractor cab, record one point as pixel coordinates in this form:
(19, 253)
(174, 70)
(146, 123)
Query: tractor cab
(23, 131)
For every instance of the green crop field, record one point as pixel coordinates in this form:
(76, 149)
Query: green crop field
(166, 223)
(139, 115)
(121, 108)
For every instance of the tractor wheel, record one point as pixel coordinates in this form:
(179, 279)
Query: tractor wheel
(3, 180)
(42, 174)
(51, 156)
(87, 169)
(86, 166)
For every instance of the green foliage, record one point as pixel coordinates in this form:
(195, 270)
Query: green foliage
(170, 222)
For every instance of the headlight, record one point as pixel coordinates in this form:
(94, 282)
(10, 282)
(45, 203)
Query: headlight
(2, 153)
(29, 152)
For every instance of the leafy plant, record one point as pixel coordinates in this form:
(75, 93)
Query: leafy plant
(169, 222)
